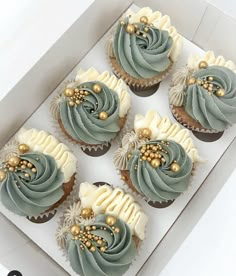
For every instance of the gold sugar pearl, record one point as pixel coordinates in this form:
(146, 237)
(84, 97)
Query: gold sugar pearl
(34, 170)
(203, 65)
(110, 220)
(23, 167)
(210, 78)
(143, 19)
(88, 244)
(14, 161)
(86, 213)
(146, 29)
(191, 81)
(130, 29)
(29, 165)
(23, 148)
(99, 242)
(75, 230)
(146, 132)
(97, 88)
(117, 230)
(27, 175)
(2, 175)
(175, 167)
(220, 92)
(155, 163)
(71, 103)
(103, 249)
(103, 115)
(122, 23)
(92, 248)
(69, 92)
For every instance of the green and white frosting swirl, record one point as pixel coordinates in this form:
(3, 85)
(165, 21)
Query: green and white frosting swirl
(210, 110)
(119, 249)
(82, 121)
(161, 183)
(29, 192)
(142, 54)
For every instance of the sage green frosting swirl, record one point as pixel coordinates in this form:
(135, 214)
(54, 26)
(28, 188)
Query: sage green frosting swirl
(32, 195)
(211, 111)
(142, 57)
(161, 183)
(82, 121)
(114, 261)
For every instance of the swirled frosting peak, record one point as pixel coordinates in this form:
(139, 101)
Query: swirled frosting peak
(89, 113)
(141, 49)
(210, 97)
(104, 248)
(32, 183)
(160, 170)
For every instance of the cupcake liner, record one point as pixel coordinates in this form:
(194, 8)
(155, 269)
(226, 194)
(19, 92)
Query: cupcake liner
(134, 83)
(131, 189)
(188, 125)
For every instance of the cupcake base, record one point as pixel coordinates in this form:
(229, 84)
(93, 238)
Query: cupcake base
(204, 134)
(92, 150)
(125, 177)
(148, 92)
(136, 84)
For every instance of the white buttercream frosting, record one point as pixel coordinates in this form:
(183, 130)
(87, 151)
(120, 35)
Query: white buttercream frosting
(211, 59)
(116, 202)
(110, 81)
(161, 22)
(163, 128)
(41, 141)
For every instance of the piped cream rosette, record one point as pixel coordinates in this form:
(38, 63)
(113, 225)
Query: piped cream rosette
(159, 21)
(154, 127)
(181, 77)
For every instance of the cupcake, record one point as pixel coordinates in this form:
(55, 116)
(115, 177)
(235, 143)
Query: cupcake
(37, 173)
(203, 94)
(143, 48)
(101, 232)
(92, 109)
(156, 159)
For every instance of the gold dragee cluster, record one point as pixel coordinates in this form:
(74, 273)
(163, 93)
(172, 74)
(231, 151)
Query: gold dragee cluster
(154, 154)
(15, 164)
(77, 96)
(207, 83)
(134, 28)
(90, 240)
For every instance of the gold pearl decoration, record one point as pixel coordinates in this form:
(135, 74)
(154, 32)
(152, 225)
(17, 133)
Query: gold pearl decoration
(144, 20)
(130, 29)
(23, 148)
(88, 243)
(103, 115)
(14, 161)
(203, 65)
(122, 23)
(86, 213)
(71, 103)
(110, 220)
(103, 249)
(75, 230)
(156, 163)
(92, 248)
(117, 230)
(191, 81)
(2, 175)
(175, 167)
(145, 133)
(69, 92)
(220, 92)
(97, 88)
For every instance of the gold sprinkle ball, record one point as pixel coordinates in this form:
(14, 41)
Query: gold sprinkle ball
(110, 220)
(97, 88)
(191, 81)
(86, 213)
(130, 29)
(143, 19)
(75, 230)
(69, 92)
(14, 161)
(103, 115)
(220, 92)
(175, 167)
(2, 175)
(23, 148)
(203, 65)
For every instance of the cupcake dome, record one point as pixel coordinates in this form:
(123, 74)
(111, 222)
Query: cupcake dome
(93, 109)
(144, 46)
(111, 252)
(100, 232)
(208, 95)
(156, 159)
(34, 181)
(160, 170)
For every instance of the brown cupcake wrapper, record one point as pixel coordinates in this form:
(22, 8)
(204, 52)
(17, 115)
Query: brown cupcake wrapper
(124, 175)
(134, 83)
(184, 119)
